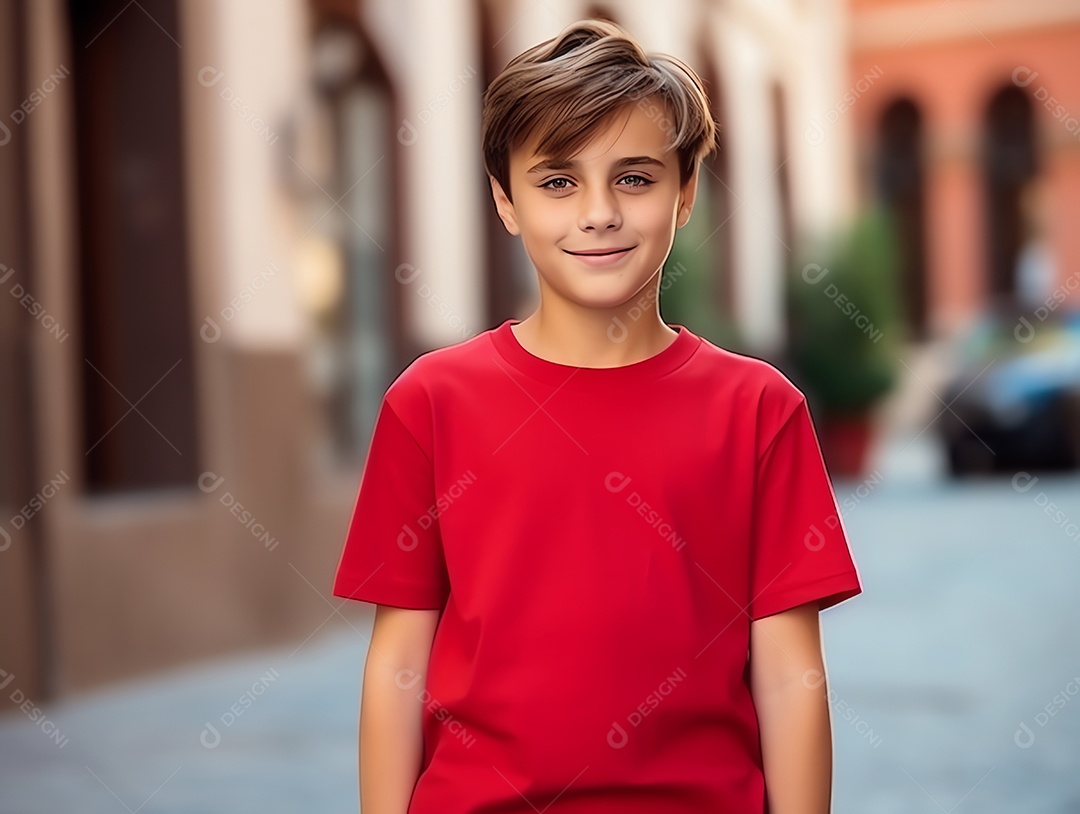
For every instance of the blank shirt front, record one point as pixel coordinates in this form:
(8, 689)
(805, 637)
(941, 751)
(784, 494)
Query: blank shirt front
(598, 540)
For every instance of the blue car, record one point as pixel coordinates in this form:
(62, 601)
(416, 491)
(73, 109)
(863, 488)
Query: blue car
(1015, 397)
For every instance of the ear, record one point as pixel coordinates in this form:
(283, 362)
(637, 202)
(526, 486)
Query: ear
(504, 207)
(686, 199)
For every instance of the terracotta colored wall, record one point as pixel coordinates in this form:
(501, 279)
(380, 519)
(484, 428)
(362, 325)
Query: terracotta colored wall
(952, 82)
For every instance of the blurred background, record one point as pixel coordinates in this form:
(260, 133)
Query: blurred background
(227, 225)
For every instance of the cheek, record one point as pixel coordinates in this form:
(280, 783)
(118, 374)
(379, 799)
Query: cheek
(547, 221)
(540, 232)
(652, 213)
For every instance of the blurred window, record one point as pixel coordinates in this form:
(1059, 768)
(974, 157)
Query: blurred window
(136, 368)
(349, 261)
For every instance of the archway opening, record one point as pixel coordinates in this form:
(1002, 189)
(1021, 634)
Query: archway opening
(1010, 168)
(901, 187)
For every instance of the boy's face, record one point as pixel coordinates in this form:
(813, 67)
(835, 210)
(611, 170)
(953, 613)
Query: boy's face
(597, 202)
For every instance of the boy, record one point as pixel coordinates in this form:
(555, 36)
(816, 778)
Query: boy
(597, 543)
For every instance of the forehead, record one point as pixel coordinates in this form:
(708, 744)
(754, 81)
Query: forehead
(634, 129)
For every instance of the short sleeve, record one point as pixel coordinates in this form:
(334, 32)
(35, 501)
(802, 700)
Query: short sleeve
(393, 550)
(800, 549)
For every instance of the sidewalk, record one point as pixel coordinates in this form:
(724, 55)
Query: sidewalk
(268, 732)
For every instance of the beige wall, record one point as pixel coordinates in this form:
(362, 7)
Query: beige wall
(143, 582)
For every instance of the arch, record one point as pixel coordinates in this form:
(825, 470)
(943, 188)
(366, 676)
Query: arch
(1010, 165)
(900, 179)
(356, 305)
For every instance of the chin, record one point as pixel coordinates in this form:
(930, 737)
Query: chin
(607, 300)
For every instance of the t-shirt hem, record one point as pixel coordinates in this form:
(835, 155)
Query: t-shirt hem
(827, 591)
(397, 594)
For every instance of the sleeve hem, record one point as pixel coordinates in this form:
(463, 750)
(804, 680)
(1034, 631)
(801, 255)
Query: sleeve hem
(397, 594)
(828, 591)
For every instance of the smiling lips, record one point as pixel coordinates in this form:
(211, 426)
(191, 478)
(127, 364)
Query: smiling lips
(602, 257)
(599, 252)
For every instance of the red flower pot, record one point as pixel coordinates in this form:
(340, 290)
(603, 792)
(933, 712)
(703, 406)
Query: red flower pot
(845, 442)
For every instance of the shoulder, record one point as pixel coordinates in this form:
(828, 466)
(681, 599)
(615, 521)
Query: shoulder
(430, 375)
(764, 394)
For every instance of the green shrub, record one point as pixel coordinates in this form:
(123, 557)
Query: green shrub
(844, 317)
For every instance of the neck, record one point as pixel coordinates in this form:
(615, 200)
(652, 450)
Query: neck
(585, 337)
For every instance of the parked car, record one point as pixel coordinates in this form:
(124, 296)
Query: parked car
(1015, 395)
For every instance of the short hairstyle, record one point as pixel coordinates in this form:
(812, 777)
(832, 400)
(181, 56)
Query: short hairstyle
(564, 90)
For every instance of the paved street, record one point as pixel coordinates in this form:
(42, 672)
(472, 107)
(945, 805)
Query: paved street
(967, 629)
(955, 680)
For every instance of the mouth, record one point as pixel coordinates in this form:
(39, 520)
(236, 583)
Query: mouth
(602, 258)
(599, 252)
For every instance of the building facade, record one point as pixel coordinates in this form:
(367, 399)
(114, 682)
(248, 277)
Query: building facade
(967, 121)
(227, 226)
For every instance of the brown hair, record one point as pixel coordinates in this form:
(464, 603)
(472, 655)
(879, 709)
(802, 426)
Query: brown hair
(562, 92)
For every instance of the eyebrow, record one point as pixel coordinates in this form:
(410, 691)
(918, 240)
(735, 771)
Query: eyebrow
(565, 164)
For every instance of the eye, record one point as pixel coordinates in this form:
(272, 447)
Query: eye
(552, 181)
(563, 184)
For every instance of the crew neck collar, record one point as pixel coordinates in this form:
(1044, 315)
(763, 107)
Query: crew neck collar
(578, 378)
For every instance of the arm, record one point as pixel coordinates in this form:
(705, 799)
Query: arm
(391, 740)
(787, 669)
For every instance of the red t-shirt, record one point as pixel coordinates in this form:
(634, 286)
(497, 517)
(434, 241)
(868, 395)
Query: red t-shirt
(599, 540)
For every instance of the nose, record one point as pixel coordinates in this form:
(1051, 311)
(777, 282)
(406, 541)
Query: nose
(599, 210)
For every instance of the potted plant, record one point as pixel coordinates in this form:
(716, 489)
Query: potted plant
(844, 318)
